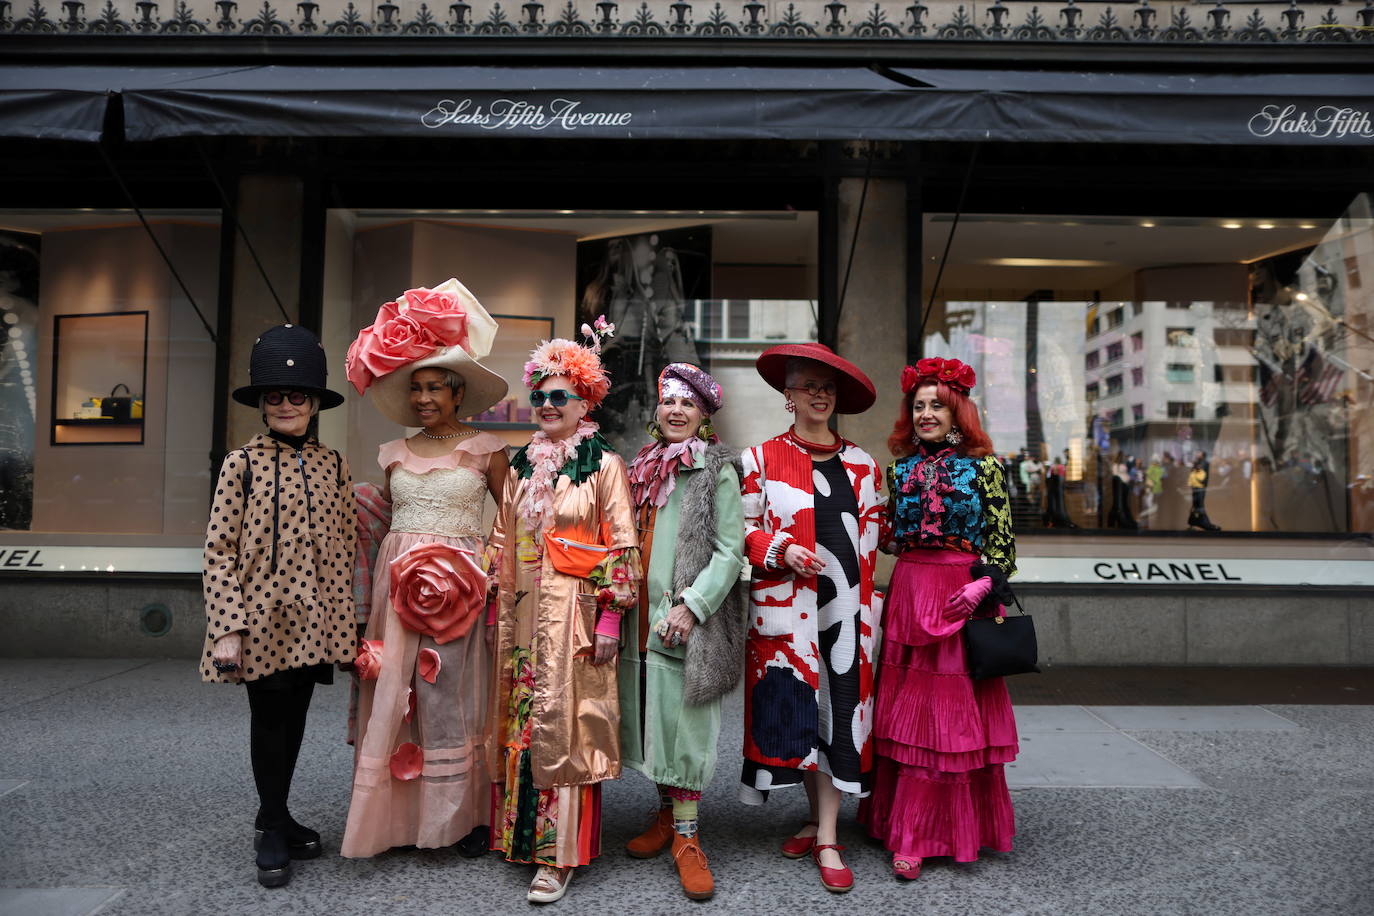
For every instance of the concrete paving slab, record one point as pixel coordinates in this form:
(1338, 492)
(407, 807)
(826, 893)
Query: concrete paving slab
(1053, 719)
(1192, 718)
(55, 901)
(1094, 759)
(9, 785)
(24, 680)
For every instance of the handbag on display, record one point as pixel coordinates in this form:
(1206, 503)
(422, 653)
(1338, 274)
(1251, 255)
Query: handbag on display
(1001, 646)
(119, 409)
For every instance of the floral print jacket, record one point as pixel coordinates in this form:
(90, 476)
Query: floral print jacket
(950, 501)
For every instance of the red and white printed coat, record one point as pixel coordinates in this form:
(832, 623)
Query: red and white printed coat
(779, 510)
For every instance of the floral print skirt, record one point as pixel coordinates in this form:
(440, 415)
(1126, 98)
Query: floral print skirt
(559, 826)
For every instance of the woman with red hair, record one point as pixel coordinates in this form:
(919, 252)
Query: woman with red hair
(941, 737)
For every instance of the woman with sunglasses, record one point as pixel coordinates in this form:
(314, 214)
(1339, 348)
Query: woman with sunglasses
(812, 506)
(420, 777)
(278, 577)
(684, 637)
(565, 544)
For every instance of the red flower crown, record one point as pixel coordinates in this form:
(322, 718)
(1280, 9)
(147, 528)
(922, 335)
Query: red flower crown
(957, 375)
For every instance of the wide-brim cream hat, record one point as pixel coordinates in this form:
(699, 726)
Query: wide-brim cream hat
(482, 388)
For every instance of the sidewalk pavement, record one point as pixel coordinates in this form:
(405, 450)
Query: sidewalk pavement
(126, 789)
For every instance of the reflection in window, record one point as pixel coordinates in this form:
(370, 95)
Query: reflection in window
(1180, 410)
(1251, 357)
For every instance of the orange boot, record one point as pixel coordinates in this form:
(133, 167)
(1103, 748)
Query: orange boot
(656, 839)
(692, 869)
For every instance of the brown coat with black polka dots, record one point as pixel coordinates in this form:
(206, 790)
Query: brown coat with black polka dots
(290, 597)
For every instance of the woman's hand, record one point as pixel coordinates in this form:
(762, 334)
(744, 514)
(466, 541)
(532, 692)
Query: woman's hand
(801, 561)
(606, 648)
(228, 650)
(677, 625)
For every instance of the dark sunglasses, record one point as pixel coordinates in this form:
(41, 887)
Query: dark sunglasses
(276, 397)
(559, 397)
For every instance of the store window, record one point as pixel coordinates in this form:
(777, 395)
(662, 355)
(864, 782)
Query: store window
(1252, 357)
(714, 289)
(106, 376)
(1091, 360)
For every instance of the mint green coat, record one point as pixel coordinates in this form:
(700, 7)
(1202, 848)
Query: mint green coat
(661, 736)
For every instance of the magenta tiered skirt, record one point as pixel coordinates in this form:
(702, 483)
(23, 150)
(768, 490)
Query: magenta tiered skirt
(941, 737)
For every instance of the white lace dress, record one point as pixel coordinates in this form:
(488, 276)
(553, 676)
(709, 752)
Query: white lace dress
(433, 500)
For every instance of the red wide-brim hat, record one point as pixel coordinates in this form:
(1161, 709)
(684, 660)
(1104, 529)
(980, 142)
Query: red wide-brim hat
(854, 390)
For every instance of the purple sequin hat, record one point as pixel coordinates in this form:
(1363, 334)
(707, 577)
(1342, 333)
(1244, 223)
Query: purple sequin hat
(686, 380)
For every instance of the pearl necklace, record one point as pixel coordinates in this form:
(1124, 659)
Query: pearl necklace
(462, 433)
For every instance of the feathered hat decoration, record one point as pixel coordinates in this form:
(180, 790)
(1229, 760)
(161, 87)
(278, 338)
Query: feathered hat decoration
(581, 364)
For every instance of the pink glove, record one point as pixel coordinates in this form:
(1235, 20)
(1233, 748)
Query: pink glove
(608, 624)
(966, 600)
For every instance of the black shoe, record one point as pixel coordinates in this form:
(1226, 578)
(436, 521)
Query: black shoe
(274, 859)
(301, 842)
(475, 844)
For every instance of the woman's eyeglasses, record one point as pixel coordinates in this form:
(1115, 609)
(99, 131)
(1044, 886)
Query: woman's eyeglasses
(559, 397)
(815, 389)
(276, 397)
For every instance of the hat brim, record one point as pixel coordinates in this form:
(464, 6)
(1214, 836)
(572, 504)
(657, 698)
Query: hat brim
(249, 395)
(854, 391)
(482, 388)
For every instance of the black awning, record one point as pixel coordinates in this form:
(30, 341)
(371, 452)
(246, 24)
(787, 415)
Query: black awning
(698, 103)
(1197, 109)
(585, 102)
(55, 103)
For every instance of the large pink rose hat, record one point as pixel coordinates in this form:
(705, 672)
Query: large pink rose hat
(442, 328)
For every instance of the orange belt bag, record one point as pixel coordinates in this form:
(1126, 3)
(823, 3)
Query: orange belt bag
(573, 558)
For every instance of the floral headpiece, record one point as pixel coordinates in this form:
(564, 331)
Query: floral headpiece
(581, 364)
(414, 326)
(957, 375)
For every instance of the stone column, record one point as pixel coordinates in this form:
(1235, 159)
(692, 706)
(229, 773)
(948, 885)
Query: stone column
(269, 209)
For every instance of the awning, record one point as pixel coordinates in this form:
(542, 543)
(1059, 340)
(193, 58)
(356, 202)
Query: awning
(697, 103)
(55, 103)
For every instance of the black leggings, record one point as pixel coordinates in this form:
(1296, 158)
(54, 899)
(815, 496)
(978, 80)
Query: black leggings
(275, 733)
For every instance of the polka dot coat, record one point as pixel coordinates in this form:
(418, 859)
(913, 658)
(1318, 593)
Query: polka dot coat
(291, 597)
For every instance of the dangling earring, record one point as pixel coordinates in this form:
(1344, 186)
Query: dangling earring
(704, 431)
(954, 437)
(787, 403)
(654, 432)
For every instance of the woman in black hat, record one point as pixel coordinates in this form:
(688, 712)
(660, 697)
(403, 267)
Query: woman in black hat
(278, 577)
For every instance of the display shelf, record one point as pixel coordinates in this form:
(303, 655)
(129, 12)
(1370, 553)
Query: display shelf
(102, 421)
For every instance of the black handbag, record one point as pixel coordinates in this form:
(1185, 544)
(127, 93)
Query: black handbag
(119, 409)
(1002, 645)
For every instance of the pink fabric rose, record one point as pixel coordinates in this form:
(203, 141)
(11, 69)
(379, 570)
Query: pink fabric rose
(429, 665)
(437, 590)
(407, 762)
(369, 661)
(952, 372)
(394, 339)
(441, 313)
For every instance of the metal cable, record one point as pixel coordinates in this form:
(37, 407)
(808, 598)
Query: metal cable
(958, 211)
(128, 196)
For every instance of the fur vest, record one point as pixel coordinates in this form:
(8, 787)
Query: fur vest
(715, 650)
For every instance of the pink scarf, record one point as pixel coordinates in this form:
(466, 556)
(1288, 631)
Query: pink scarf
(547, 457)
(653, 473)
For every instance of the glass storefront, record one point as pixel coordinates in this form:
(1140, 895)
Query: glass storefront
(1150, 373)
(107, 373)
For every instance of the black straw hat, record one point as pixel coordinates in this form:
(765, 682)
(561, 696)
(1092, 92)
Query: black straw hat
(287, 357)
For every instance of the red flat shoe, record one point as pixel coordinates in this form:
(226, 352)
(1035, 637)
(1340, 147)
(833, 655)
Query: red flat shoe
(837, 880)
(797, 846)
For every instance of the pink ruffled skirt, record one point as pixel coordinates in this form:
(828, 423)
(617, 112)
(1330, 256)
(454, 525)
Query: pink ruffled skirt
(941, 737)
(449, 797)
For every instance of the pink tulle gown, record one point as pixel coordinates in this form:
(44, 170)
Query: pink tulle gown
(433, 500)
(941, 737)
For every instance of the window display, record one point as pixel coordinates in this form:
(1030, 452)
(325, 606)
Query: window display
(95, 358)
(1251, 368)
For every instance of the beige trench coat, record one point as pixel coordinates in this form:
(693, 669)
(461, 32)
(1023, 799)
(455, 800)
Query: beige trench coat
(576, 712)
